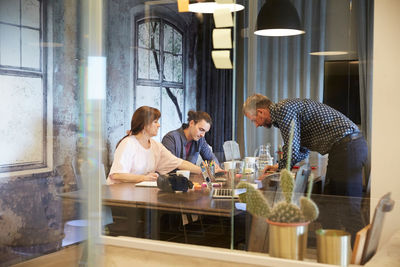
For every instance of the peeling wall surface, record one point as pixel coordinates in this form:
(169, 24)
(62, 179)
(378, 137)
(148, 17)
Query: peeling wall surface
(32, 217)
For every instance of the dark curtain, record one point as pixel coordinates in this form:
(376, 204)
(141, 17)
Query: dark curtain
(214, 90)
(365, 17)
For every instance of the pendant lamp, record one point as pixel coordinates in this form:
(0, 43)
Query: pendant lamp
(339, 38)
(205, 6)
(278, 18)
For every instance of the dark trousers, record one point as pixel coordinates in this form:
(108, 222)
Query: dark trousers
(345, 164)
(344, 178)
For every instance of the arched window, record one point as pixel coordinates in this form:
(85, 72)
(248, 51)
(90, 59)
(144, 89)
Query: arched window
(159, 70)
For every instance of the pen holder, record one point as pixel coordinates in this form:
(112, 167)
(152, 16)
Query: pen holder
(333, 247)
(212, 169)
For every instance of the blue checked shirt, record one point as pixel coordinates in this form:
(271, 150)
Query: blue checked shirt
(317, 127)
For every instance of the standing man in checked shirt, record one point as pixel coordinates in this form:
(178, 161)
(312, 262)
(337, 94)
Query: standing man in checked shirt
(319, 128)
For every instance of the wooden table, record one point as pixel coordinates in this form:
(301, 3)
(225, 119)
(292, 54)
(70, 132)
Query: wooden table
(152, 200)
(129, 195)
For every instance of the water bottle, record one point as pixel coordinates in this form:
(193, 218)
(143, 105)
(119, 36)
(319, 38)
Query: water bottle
(264, 157)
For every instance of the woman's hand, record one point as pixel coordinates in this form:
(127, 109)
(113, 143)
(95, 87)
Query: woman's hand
(133, 178)
(152, 176)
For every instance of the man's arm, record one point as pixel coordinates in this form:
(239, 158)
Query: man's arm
(298, 153)
(206, 153)
(169, 142)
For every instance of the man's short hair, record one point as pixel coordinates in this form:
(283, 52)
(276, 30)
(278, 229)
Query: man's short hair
(255, 102)
(197, 116)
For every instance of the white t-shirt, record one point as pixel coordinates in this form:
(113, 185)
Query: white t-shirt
(131, 157)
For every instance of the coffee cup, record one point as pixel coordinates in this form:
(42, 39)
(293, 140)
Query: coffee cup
(228, 165)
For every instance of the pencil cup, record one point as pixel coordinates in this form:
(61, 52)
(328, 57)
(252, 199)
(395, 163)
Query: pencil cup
(333, 247)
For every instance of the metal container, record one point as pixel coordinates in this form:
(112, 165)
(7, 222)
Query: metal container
(333, 247)
(288, 240)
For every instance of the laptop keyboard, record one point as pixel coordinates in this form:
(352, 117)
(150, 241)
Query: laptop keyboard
(223, 193)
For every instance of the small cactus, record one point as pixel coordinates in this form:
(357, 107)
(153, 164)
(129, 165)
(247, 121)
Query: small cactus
(285, 211)
(287, 184)
(256, 202)
(307, 206)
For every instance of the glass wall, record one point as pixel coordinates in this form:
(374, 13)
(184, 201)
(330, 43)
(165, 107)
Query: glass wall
(73, 74)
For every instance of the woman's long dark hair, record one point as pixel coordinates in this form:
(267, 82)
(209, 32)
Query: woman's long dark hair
(142, 117)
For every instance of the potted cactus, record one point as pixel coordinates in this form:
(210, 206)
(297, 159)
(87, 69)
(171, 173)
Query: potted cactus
(288, 222)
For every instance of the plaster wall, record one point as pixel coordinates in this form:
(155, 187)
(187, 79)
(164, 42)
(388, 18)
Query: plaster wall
(31, 215)
(385, 126)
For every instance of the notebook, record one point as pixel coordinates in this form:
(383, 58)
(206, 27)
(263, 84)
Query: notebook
(147, 184)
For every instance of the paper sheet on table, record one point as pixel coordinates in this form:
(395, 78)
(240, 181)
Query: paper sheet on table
(222, 59)
(147, 184)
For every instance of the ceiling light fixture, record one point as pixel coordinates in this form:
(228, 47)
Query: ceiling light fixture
(278, 18)
(210, 6)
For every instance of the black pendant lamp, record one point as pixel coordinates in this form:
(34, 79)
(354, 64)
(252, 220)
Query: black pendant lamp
(278, 18)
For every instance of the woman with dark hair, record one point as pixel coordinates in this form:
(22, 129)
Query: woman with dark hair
(138, 157)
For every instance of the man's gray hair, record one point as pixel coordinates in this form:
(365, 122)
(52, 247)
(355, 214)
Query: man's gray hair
(254, 102)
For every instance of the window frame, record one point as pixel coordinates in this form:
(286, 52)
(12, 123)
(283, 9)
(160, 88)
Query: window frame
(160, 83)
(46, 163)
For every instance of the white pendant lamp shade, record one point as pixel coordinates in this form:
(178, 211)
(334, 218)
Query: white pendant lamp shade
(211, 6)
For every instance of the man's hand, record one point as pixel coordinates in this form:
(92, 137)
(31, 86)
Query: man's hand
(269, 169)
(218, 169)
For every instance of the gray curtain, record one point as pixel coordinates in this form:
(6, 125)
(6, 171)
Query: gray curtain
(281, 67)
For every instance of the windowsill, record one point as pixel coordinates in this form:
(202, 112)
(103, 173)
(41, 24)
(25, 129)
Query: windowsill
(9, 176)
(218, 254)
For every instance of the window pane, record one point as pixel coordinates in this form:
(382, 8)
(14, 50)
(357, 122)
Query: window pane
(168, 38)
(154, 56)
(21, 113)
(143, 36)
(9, 11)
(177, 68)
(177, 43)
(155, 34)
(168, 67)
(30, 13)
(9, 45)
(143, 63)
(30, 48)
(148, 96)
(170, 117)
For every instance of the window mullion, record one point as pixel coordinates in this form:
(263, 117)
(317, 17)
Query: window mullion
(161, 49)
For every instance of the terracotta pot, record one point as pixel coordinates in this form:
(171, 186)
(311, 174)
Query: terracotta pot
(288, 240)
